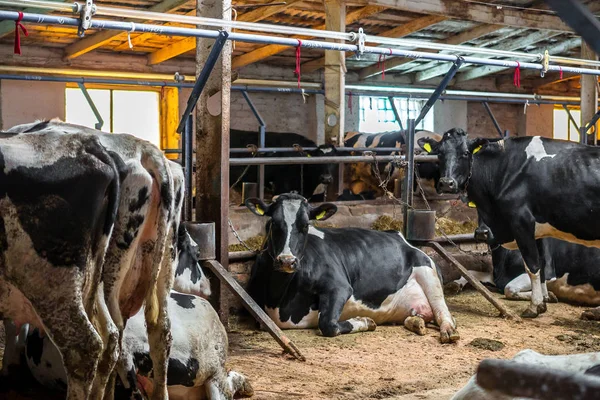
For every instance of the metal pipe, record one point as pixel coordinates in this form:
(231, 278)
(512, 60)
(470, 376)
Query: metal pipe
(571, 117)
(439, 89)
(493, 118)
(262, 127)
(290, 149)
(188, 163)
(284, 41)
(90, 102)
(211, 60)
(396, 113)
(323, 160)
(410, 173)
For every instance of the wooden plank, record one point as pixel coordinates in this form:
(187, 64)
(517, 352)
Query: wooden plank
(396, 63)
(478, 12)
(99, 39)
(335, 76)
(402, 30)
(589, 91)
(270, 50)
(504, 311)
(479, 72)
(253, 308)
(188, 44)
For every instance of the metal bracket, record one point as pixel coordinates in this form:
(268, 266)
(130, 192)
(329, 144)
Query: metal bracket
(89, 100)
(86, 12)
(178, 77)
(545, 63)
(360, 43)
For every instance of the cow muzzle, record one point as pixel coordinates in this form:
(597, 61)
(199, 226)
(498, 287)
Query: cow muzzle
(447, 185)
(326, 179)
(482, 234)
(287, 263)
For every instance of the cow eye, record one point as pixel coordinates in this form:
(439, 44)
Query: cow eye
(466, 153)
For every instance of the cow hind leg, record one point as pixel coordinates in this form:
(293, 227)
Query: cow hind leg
(239, 384)
(416, 324)
(429, 281)
(218, 387)
(531, 257)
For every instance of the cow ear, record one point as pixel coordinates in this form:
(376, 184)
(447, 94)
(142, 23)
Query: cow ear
(258, 207)
(476, 144)
(322, 212)
(429, 145)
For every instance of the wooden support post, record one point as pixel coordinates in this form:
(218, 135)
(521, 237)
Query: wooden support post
(335, 76)
(589, 93)
(504, 311)
(212, 144)
(253, 308)
(169, 117)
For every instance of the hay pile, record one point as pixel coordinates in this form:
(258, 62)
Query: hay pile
(323, 224)
(449, 226)
(385, 223)
(255, 243)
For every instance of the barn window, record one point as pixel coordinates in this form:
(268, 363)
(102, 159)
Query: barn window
(563, 127)
(376, 114)
(123, 111)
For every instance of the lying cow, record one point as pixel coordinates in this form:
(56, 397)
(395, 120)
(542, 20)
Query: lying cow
(309, 180)
(342, 280)
(587, 363)
(196, 364)
(525, 188)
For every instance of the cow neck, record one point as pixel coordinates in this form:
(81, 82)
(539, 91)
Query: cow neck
(484, 165)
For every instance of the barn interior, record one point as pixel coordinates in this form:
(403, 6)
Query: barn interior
(141, 81)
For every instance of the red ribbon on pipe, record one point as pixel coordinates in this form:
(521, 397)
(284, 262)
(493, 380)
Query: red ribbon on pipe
(381, 64)
(298, 53)
(18, 25)
(517, 76)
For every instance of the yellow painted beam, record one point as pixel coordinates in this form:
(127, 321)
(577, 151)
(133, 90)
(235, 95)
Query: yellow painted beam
(169, 120)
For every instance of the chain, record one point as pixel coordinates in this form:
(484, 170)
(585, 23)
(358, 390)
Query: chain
(237, 236)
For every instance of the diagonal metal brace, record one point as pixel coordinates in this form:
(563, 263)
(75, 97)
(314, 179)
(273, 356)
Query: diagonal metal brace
(89, 100)
(440, 89)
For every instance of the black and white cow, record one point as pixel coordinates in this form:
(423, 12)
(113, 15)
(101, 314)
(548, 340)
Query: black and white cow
(309, 180)
(189, 277)
(585, 363)
(196, 364)
(342, 280)
(139, 261)
(525, 189)
(59, 197)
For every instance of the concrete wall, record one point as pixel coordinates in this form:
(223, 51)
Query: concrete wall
(450, 114)
(23, 101)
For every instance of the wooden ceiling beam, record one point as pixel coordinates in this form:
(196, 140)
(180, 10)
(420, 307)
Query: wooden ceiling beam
(188, 44)
(270, 50)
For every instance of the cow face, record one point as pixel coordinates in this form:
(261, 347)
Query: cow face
(189, 277)
(326, 171)
(288, 232)
(455, 153)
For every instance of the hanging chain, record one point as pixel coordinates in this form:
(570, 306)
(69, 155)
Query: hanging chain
(237, 236)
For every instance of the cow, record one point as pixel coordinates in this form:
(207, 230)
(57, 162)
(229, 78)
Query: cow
(343, 280)
(196, 364)
(362, 175)
(568, 270)
(518, 187)
(308, 180)
(59, 199)
(189, 277)
(586, 363)
(139, 260)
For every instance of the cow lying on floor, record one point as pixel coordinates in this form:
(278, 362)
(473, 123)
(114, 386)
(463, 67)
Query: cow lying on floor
(587, 363)
(196, 364)
(342, 280)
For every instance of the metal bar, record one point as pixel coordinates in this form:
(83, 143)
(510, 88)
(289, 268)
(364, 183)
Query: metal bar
(592, 122)
(410, 173)
(493, 118)
(90, 102)
(518, 380)
(188, 166)
(284, 41)
(262, 127)
(571, 117)
(439, 89)
(504, 311)
(461, 238)
(396, 113)
(580, 19)
(215, 52)
(323, 160)
(253, 308)
(290, 149)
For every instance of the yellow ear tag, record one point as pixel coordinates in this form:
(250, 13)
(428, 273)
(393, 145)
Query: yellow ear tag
(476, 149)
(308, 155)
(471, 204)
(427, 147)
(321, 215)
(259, 210)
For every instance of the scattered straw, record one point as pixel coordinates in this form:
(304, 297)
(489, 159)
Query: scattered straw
(452, 227)
(386, 223)
(255, 243)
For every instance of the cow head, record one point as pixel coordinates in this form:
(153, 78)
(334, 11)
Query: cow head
(288, 231)
(325, 171)
(189, 277)
(455, 154)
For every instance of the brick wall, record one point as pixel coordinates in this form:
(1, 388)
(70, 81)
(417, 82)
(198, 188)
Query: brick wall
(480, 124)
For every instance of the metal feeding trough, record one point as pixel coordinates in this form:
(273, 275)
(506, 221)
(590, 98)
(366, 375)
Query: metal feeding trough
(420, 225)
(204, 235)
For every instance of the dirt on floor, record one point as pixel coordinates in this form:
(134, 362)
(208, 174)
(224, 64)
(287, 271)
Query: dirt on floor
(393, 363)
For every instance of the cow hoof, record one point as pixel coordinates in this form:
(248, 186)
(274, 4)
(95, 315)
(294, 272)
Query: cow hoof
(591, 315)
(415, 324)
(448, 334)
(246, 390)
(452, 288)
(371, 325)
(542, 308)
(530, 313)
(551, 298)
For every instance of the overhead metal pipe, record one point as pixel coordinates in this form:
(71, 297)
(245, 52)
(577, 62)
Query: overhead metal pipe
(284, 41)
(290, 149)
(323, 160)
